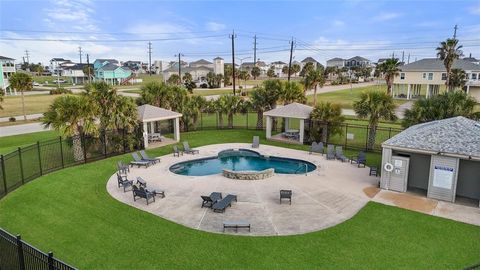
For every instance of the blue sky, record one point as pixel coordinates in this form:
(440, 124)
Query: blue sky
(200, 29)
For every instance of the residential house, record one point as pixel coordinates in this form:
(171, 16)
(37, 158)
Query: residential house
(57, 65)
(309, 59)
(198, 69)
(76, 73)
(260, 64)
(336, 62)
(109, 71)
(135, 66)
(427, 77)
(277, 67)
(7, 68)
(472, 59)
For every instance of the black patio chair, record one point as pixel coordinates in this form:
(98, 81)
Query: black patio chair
(124, 182)
(316, 148)
(122, 168)
(188, 150)
(221, 205)
(177, 152)
(339, 154)
(286, 195)
(209, 201)
(147, 158)
(360, 159)
(330, 151)
(256, 142)
(138, 161)
(141, 192)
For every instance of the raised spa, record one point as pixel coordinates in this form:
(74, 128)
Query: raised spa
(241, 160)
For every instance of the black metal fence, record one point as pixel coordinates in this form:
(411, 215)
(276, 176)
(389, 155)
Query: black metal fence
(17, 254)
(27, 163)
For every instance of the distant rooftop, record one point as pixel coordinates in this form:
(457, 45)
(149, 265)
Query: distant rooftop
(292, 110)
(435, 64)
(5, 58)
(147, 113)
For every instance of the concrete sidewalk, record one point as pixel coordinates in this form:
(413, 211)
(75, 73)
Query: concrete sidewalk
(21, 129)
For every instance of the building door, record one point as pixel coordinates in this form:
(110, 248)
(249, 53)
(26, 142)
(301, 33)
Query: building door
(398, 173)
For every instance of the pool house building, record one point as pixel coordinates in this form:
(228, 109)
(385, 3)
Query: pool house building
(149, 116)
(290, 113)
(439, 159)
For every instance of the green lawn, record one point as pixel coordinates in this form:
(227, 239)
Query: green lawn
(346, 97)
(11, 143)
(70, 213)
(12, 105)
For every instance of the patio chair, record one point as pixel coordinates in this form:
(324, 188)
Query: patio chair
(209, 201)
(140, 182)
(147, 158)
(142, 193)
(188, 150)
(316, 148)
(339, 154)
(360, 159)
(122, 168)
(256, 142)
(373, 171)
(123, 182)
(330, 151)
(176, 151)
(138, 161)
(286, 194)
(221, 205)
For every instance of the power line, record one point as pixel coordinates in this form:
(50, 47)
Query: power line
(111, 40)
(104, 33)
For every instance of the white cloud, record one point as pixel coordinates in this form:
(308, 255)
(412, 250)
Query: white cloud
(77, 14)
(386, 16)
(215, 26)
(338, 23)
(475, 9)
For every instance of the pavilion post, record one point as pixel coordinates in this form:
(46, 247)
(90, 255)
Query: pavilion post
(145, 134)
(269, 127)
(287, 123)
(302, 130)
(176, 129)
(152, 127)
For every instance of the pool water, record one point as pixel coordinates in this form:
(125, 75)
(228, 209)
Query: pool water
(241, 160)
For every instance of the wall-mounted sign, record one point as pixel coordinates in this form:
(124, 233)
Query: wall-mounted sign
(443, 177)
(350, 136)
(398, 163)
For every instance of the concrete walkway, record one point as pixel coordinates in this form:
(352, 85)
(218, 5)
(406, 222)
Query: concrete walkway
(20, 117)
(21, 129)
(331, 194)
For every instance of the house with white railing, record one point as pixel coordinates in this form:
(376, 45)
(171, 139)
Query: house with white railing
(7, 68)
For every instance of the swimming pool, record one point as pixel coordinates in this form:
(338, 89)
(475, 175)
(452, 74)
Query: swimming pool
(241, 160)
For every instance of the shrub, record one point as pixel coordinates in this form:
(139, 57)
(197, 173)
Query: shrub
(60, 91)
(12, 119)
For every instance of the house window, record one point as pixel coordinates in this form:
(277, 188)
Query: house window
(424, 75)
(444, 76)
(430, 76)
(474, 76)
(402, 76)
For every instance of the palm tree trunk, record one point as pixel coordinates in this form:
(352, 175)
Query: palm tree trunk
(23, 107)
(77, 148)
(220, 120)
(230, 120)
(315, 96)
(260, 119)
(325, 133)
(371, 137)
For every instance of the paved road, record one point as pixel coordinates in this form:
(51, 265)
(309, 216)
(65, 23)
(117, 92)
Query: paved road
(20, 117)
(21, 129)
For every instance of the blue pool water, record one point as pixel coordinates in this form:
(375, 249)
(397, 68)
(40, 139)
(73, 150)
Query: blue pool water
(241, 160)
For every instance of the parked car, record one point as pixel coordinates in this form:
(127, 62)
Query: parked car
(36, 84)
(59, 81)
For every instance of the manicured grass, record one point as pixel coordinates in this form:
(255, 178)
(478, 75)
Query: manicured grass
(19, 122)
(71, 213)
(12, 105)
(48, 80)
(346, 97)
(11, 143)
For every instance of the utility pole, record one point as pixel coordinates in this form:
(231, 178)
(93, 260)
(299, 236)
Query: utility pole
(80, 53)
(393, 55)
(255, 50)
(290, 61)
(150, 58)
(180, 65)
(403, 56)
(88, 70)
(455, 32)
(28, 56)
(233, 36)
(408, 58)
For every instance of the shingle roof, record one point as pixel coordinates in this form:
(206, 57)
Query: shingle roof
(435, 64)
(201, 62)
(5, 58)
(218, 58)
(187, 69)
(148, 113)
(358, 58)
(279, 63)
(456, 135)
(336, 59)
(292, 110)
(471, 59)
(78, 66)
(109, 66)
(309, 59)
(112, 61)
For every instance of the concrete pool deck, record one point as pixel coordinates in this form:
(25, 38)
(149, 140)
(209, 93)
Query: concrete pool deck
(325, 197)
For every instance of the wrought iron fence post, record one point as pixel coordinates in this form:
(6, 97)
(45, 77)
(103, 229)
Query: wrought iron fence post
(105, 144)
(201, 120)
(124, 141)
(84, 145)
(247, 119)
(50, 261)
(216, 119)
(39, 158)
(366, 139)
(21, 164)
(346, 135)
(390, 132)
(21, 259)
(4, 174)
(61, 151)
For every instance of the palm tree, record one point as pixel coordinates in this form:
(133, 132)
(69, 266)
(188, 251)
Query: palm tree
(1, 99)
(21, 82)
(71, 116)
(441, 106)
(102, 99)
(220, 106)
(375, 106)
(274, 89)
(126, 116)
(306, 68)
(156, 94)
(233, 104)
(449, 51)
(192, 110)
(271, 72)
(260, 102)
(458, 78)
(255, 72)
(313, 79)
(174, 79)
(389, 69)
(293, 92)
(295, 69)
(327, 118)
